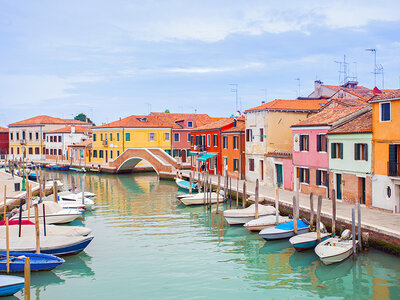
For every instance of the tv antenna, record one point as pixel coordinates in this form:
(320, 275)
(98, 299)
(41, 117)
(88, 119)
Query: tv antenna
(234, 89)
(298, 79)
(343, 69)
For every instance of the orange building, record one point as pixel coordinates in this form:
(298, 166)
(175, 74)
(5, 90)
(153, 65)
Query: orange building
(233, 150)
(386, 150)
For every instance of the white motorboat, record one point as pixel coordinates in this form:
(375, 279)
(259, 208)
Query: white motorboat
(54, 213)
(284, 230)
(202, 198)
(51, 230)
(242, 216)
(264, 222)
(74, 201)
(335, 249)
(77, 193)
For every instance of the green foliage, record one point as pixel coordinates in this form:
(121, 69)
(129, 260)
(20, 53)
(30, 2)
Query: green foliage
(82, 117)
(167, 111)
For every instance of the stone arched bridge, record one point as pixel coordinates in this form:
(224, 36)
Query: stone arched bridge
(160, 160)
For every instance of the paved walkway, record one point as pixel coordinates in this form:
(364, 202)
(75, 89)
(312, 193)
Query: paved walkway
(381, 222)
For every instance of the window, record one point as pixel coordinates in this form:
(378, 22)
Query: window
(117, 136)
(17, 134)
(152, 136)
(23, 135)
(30, 150)
(176, 137)
(166, 136)
(101, 154)
(127, 136)
(361, 152)
(322, 143)
(190, 124)
(36, 150)
(17, 150)
(43, 135)
(94, 138)
(208, 140)
(322, 178)
(51, 139)
(105, 136)
(215, 140)
(235, 142)
(101, 137)
(59, 151)
(304, 142)
(225, 142)
(251, 164)
(385, 111)
(30, 136)
(43, 149)
(95, 153)
(249, 135)
(59, 138)
(11, 137)
(235, 164)
(117, 153)
(111, 152)
(191, 140)
(304, 175)
(12, 150)
(261, 134)
(337, 150)
(110, 137)
(37, 135)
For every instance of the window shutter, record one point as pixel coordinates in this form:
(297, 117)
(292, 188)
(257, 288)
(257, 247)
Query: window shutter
(301, 177)
(333, 150)
(356, 152)
(341, 150)
(308, 175)
(307, 147)
(366, 152)
(318, 181)
(318, 142)
(301, 143)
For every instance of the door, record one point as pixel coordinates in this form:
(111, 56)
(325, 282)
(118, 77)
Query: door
(183, 156)
(279, 179)
(362, 190)
(106, 156)
(262, 170)
(339, 186)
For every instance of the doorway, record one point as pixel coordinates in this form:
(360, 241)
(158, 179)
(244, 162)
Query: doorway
(279, 177)
(339, 186)
(262, 169)
(183, 155)
(361, 185)
(106, 156)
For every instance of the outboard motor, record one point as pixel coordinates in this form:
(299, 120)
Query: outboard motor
(305, 221)
(346, 235)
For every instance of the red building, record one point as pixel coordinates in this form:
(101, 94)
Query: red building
(3, 141)
(233, 150)
(206, 146)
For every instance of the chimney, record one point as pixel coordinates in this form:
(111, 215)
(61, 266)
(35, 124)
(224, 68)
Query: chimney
(72, 129)
(317, 88)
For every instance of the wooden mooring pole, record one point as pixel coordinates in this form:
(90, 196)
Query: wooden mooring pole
(319, 206)
(237, 193)
(277, 205)
(5, 202)
(37, 229)
(311, 210)
(8, 246)
(27, 276)
(359, 226)
(256, 200)
(218, 191)
(333, 212)
(190, 182)
(294, 215)
(353, 228)
(244, 195)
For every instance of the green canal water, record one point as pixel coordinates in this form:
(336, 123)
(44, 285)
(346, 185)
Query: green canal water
(149, 246)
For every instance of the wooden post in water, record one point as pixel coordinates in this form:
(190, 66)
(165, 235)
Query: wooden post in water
(27, 275)
(237, 193)
(73, 183)
(83, 188)
(37, 228)
(29, 204)
(277, 205)
(256, 200)
(311, 209)
(319, 219)
(54, 191)
(20, 218)
(199, 183)
(353, 229)
(44, 186)
(294, 216)
(333, 212)
(190, 182)
(359, 226)
(5, 202)
(230, 192)
(218, 191)
(44, 219)
(8, 246)
(244, 195)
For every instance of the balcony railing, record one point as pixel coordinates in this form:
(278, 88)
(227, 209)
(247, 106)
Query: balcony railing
(105, 143)
(393, 168)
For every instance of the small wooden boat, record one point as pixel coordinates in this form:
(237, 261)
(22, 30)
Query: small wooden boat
(184, 184)
(284, 231)
(242, 216)
(264, 222)
(9, 285)
(201, 198)
(54, 245)
(38, 261)
(79, 170)
(57, 167)
(32, 176)
(307, 240)
(335, 249)
(28, 229)
(54, 213)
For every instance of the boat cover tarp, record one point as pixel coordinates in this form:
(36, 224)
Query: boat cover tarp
(266, 220)
(289, 225)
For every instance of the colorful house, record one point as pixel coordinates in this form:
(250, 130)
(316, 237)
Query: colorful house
(112, 139)
(206, 148)
(269, 139)
(354, 166)
(310, 146)
(29, 135)
(182, 124)
(386, 149)
(3, 141)
(80, 153)
(233, 150)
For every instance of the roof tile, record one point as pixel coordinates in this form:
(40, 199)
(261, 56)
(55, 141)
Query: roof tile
(298, 105)
(361, 124)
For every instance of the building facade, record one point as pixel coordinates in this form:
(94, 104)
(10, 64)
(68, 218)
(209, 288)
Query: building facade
(3, 141)
(80, 154)
(233, 150)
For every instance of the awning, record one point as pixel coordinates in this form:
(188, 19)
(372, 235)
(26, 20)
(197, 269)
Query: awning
(206, 156)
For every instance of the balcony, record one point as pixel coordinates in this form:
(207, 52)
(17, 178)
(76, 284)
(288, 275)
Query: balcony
(393, 168)
(105, 143)
(22, 141)
(200, 148)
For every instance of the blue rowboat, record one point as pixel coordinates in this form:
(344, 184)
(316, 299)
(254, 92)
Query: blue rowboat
(32, 176)
(9, 285)
(307, 240)
(284, 230)
(184, 184)
(57, 167)
(39, 261)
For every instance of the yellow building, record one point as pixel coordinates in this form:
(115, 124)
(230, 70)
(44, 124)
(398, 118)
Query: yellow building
(112, 139)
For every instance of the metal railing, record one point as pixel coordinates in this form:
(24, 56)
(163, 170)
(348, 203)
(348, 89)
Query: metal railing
(393, 168)
(105, 143)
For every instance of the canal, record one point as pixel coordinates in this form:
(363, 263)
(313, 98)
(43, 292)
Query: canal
(149, 246)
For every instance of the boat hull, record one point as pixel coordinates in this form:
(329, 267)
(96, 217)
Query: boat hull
(199, 199)
(9, 285)
(284, 234)
(184, 185)
(339, 252)
(238, 220)
(302, 246)
(262, 224)
(58, 168)
(38, 262)
(55, 219)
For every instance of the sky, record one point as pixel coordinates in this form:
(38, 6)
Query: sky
(112, 59)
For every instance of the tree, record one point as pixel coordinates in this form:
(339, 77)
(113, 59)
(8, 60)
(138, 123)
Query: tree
(167, 111)
(82, 117)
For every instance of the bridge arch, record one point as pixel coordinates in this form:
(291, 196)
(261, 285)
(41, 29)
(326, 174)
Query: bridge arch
(131, 163)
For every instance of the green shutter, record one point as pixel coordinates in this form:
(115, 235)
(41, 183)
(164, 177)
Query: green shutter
(341, 150)
(333, 150)
(366, 152)
(356, 156)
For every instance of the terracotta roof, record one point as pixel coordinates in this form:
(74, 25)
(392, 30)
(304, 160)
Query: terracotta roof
(85, 143)
(361, 124)
(297, 105)
(216, 125)
(38, 120)
(149, 121)
(327, 116)
(3, 130)
(391, 95)
(240, 127)
(200, 119)
(67, 129)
